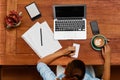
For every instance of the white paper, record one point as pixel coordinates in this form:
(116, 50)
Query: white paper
(33, 39)
(77, 47)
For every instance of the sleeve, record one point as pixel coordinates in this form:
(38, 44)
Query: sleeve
(45, 71)
(90, 75)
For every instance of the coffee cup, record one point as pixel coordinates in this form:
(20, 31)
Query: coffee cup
(98, 41)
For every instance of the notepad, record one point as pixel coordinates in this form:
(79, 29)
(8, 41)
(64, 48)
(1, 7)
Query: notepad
(33, 39)
(33, 11)
(77, 48)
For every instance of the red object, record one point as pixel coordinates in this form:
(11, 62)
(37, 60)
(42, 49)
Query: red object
(12, 19)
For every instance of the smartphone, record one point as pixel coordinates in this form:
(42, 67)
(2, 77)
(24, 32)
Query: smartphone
(94, 27)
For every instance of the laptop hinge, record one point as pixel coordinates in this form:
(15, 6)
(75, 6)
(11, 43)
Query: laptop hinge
(69, 18)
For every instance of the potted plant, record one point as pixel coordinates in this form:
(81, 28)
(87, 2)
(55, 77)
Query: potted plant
(13, 19)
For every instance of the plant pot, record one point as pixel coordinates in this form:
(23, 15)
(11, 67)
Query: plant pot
(16, 25)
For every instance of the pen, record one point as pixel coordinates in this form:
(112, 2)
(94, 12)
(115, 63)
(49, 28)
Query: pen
(41, 37)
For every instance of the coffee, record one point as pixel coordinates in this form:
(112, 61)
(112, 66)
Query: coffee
(99, 41)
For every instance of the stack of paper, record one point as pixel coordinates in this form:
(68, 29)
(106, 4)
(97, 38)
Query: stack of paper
(33, 39)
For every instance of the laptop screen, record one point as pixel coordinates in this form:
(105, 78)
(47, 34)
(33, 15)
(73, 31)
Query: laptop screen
(71, 11)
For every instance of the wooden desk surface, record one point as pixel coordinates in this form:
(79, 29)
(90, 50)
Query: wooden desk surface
(15, 51)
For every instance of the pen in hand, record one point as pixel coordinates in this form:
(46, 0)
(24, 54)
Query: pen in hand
(41, 37)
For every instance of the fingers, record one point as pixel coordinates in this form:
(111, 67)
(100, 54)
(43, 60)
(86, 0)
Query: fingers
(108, 40)
(107, 48)
(68, 50)
(102, 51)
(106, 51)
(71, 48)
(72, 54)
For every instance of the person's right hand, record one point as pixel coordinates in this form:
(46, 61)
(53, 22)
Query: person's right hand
(106, 52)
(69, 51)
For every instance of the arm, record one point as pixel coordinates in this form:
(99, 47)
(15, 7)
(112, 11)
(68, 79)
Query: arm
(106, 55)
(48, 59)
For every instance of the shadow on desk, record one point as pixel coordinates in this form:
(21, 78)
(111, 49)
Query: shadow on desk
(30, 73)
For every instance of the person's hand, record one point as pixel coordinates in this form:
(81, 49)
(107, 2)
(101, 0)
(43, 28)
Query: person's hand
(106, 52)
(63, 52)
(69, 51)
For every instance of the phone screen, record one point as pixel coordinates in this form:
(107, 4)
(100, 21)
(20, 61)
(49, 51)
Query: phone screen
(94, 27)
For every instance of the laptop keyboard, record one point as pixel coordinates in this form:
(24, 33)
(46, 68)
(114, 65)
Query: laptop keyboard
(70, 25)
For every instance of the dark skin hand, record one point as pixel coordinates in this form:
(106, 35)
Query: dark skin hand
(106, 56)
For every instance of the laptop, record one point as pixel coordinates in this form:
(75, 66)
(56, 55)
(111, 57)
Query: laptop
(69, 22)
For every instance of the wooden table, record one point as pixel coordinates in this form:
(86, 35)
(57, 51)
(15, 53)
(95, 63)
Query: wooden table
(15, 51)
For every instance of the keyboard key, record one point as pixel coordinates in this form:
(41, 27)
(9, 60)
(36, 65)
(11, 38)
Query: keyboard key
(70, 25)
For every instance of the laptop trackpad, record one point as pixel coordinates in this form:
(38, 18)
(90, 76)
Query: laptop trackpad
(69, 35)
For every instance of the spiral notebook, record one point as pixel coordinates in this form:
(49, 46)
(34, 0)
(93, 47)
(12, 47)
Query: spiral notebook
(33, 38)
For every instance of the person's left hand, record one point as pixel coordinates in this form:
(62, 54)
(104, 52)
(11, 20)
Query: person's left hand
(106, 52)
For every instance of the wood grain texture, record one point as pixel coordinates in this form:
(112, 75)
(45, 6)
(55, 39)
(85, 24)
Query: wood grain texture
(11, 34)
(30, 73)
(19, 73)
(17, 52)
(2, 28)
(107, 14)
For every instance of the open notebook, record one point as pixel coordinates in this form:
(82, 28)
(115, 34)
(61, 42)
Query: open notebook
(33, 39)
